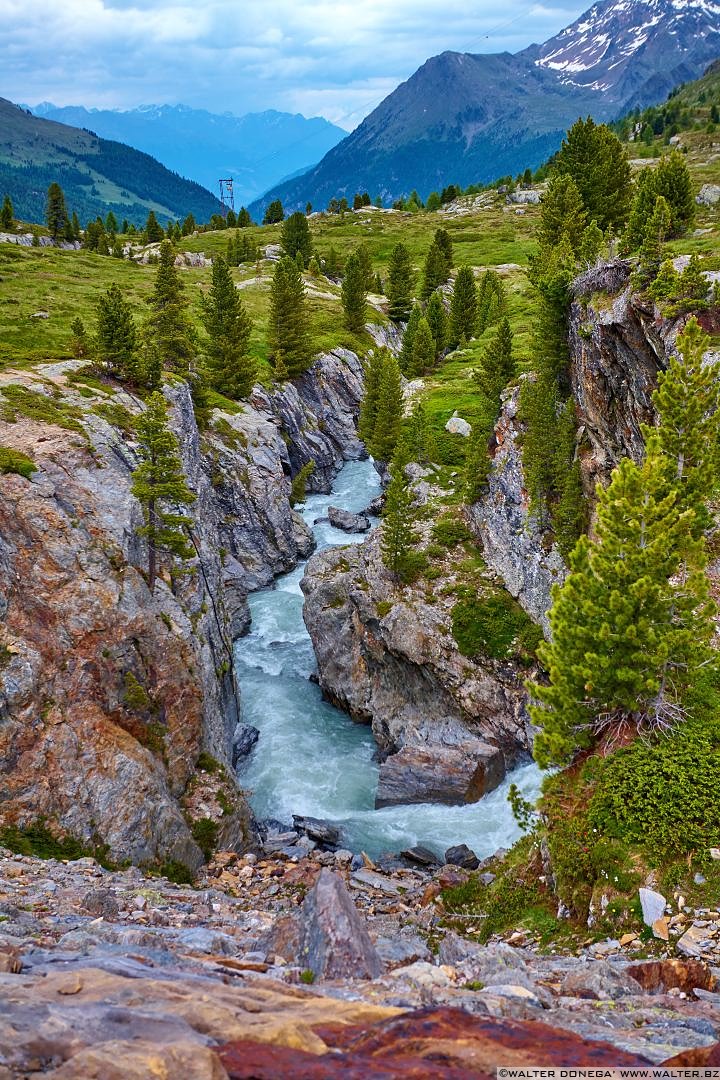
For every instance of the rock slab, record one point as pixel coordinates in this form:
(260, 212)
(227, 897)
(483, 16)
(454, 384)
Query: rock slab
(334, 940)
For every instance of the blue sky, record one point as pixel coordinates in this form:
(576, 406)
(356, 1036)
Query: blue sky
(336, 59)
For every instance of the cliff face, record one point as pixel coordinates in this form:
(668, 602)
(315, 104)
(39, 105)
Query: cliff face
(108, 694)
(446, 726)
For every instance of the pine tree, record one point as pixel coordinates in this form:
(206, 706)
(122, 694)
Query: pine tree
(153, 231)
(438, 322)
(397, 533)
(158, 483)
(498, 365)
(7, 214)
(354, 294)
(686, 402)
(477, 463)
(642, 207)
(408, 340)
(674, 183)
(116, 335)
(591, 244)
(666, 285)
(295, 238)
(75, 222)
(274, 213)
(231, 370)
(168, 329)
(423, 350)
(594, 157)
(693, 287)
(56, 217)
(435, 272)
(399, 284)
(418, 433)
(188, 225)
(79, 342)
(388, 415)
(651, 253)
(363, 255)
(369, 404)
(243, 219)
(444, 242)
(288, 323)
(491, 300)
(111, 225)
(632, 623)
(463, 307)
(562, 214)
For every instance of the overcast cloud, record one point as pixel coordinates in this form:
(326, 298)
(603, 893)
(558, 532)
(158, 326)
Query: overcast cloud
(336, 59)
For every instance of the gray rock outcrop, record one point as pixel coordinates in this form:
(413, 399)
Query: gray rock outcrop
(334, 941)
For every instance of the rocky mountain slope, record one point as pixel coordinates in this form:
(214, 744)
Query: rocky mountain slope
(108, 694)
(257, 150)
(97, 175)
(493, 115)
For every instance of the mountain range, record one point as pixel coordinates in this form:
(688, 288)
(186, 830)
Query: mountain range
(464, 118)
(257, 150)
(96, 174)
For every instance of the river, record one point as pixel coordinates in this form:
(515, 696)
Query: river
(311, 758)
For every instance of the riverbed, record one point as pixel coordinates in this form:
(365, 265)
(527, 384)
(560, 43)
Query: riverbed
(311, 758)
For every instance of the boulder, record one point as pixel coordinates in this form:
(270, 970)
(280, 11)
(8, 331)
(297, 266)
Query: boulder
(600, 981)
(529, 197)
(347, 521)
(461, 855)
(708, 195)
(244, 740)
(334, 941)
(323, 832)
(440, 774)
(653, 906)
(457, 426)
(421, 855)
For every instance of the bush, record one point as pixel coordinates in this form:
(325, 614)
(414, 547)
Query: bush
(13, 461)
(495, 626)
(205, 834)
(450, 530)
(297, 489)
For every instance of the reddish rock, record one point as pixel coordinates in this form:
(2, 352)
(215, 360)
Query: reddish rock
(260, 1061)
(698, 1057)
(657, 976)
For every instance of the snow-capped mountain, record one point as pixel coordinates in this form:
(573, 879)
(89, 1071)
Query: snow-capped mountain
(616, 48)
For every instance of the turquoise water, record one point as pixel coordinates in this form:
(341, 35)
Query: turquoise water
(311, 758)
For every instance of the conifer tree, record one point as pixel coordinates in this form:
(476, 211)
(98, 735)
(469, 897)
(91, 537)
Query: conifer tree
(388, 414)
(666, 285)
(594, 157)
(7, 214)
(423, 350)
(288, 333)
(274, 214)
(399, 284)
(231, 370)
(651, 253)
(491, 300)
(397, 532)
(75, 222)
(438, 322)
(444, 242)
(369, 404)
(188, 225)
(562, 214)
(153, 231)
(408, 340)
(56, 217)
(463, 307)
(632, 623)
(158, 483)
(111, 225)
(169, 332)
(435, 271)
(354, 294)
(686, 402)
(498, 365)
(420, 440)
(477, 463)
(591, 244)
(363, 255)
(79, 342)
(693, 287)
(243, 219)
(295, 237)
(116, 335)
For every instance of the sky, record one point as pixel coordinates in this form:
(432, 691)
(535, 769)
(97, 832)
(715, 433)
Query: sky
(332, 58)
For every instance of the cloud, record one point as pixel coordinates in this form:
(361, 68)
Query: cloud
(337, 59)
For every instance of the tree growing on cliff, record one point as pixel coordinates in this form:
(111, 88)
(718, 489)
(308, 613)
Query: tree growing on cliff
(288, 323)
(651, 254)
(295, 237)
(231, 370)
(116, 335)
(463, 307)
(631, 625)
(399, 284)
(354, 293)
(158, 483)
(382, 405)
(397, 532)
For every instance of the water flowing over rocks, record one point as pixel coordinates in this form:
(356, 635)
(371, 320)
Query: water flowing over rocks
(447, 727)
(108, 695)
